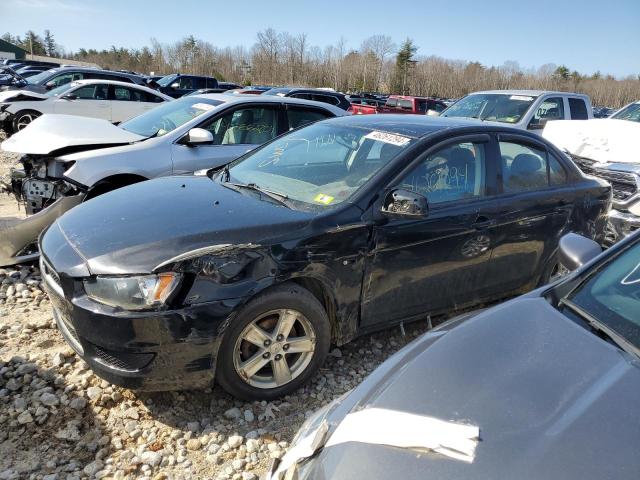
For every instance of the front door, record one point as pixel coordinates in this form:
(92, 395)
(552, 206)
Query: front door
(422, 265)
(234, 131)
(85, 101)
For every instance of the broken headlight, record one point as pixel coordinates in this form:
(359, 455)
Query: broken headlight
(132, 293)
(635, 208)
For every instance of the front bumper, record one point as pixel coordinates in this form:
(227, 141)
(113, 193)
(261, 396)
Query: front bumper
(152, 351)
(620, 225)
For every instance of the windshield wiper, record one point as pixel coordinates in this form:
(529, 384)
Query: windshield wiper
(281, 198)
(600, 327)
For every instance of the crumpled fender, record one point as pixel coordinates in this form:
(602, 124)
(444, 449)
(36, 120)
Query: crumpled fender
(16, 234)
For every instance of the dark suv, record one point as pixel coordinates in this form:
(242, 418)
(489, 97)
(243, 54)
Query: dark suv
(59, 76)
(319, 95)
(176, 85)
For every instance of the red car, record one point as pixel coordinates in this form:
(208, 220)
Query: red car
(402, 104)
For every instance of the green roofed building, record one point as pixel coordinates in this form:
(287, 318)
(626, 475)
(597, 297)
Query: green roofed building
(9, 50)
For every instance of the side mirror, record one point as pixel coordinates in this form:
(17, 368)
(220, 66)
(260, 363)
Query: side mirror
(197, 136)
(537, 126)
(405, 203)
(576, 250)
(70, 96)
(433, 113)
(174, 85)
(50, 85)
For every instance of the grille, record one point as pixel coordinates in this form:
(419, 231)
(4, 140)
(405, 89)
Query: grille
(70, 328)
(121, 360)
(624, 185)
(49, 273)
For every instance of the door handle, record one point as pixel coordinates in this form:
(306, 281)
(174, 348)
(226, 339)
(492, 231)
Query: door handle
(483, 222)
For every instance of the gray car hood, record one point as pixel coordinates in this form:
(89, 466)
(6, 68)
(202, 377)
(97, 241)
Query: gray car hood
(551, 399)
(51, 133)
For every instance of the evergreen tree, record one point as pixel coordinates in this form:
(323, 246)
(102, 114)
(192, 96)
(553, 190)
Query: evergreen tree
(50, 44)
(404, 62)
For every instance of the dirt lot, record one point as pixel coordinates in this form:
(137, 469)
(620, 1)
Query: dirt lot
(59, 421)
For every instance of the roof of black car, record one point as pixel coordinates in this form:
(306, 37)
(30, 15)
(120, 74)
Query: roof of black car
(409, 125)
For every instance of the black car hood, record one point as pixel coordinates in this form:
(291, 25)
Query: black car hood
(136, 228)
(551, 400)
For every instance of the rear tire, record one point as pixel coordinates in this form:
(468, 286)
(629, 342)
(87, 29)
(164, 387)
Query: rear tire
(23, 119)
(257, 361)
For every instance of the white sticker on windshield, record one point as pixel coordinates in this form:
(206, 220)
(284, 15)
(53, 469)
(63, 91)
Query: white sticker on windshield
(520, 97)
(391, 138)
(203, 106)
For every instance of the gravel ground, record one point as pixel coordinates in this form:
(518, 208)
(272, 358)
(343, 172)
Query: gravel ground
(59, 421)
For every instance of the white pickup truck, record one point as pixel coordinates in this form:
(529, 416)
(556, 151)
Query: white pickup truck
(525, 109)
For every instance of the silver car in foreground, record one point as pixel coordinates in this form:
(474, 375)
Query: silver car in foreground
(68, 159)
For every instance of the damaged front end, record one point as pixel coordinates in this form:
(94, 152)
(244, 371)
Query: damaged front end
(40, 187)
(624, 216)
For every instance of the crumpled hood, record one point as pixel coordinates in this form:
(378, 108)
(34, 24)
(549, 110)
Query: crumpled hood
(50, 133)
(604, 140)
(136, 228)
(551, 400)
(7, 94)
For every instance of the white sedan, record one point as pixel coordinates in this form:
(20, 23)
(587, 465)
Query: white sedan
(106, 99)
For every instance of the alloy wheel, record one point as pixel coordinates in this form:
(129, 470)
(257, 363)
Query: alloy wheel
(25, 120)
(274, 348)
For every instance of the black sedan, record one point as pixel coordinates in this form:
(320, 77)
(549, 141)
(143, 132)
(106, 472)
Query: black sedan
(543, 386)
(333, 230)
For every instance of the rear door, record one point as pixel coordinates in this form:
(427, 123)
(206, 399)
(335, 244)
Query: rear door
(422, 265)
(536, 202)
(88, 101)
(235, 131)
(578, 108)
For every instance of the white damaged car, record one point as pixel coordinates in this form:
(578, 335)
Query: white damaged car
(107, 99)
(610, 149)
(69, 159)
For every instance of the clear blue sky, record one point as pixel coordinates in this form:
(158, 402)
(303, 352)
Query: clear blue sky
(586, 35)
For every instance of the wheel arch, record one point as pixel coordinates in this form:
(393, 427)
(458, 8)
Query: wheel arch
(113, 182)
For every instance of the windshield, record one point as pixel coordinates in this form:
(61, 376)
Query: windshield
(321, 165)
(169, 116)
(41, 77)
(630, 112)
(278, 91)
(61, 89)
(495, 107)
(612, 295)
(166, 81)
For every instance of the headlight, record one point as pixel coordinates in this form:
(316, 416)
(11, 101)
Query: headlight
(635, 208)
(132, 293)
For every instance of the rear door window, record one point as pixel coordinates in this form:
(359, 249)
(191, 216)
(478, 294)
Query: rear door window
(299, 116)
(526, 168)
(578, 109)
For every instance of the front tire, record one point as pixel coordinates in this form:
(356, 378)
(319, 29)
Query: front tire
(274, 345)
(23, 119)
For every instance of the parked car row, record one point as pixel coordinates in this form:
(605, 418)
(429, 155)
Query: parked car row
(106, 99)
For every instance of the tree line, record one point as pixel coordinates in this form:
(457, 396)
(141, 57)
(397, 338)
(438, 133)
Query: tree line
(379, 64)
